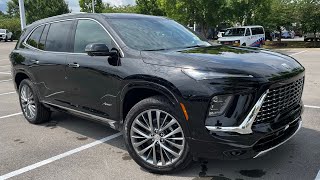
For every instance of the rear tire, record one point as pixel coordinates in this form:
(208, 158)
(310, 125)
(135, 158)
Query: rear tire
(156, 158)
(11, 39)
(32, 109)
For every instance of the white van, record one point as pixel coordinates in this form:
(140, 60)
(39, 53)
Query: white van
(252, 36)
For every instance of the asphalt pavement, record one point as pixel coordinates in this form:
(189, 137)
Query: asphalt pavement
(69, 147)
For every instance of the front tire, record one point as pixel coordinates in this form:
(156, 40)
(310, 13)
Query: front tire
(32, 109)
(155, 137)
(6, 39)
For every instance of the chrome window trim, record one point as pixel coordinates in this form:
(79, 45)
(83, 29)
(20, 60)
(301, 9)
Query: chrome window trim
(51, 22)
(246, 126)
(109, 121)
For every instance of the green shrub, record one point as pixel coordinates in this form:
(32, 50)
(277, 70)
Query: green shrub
(12, 24)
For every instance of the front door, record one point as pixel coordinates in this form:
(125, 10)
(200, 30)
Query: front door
(92, 80)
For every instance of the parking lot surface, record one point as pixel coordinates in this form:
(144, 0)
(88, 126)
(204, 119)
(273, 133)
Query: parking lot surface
(69, 147)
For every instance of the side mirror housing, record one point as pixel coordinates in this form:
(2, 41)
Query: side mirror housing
(99, 49)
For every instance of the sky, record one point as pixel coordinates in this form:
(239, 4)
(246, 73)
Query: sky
(74, 5)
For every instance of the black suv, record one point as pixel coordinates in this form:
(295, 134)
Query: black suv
(176, 96)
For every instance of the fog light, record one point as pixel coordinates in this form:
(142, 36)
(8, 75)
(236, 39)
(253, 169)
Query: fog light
(219, 104)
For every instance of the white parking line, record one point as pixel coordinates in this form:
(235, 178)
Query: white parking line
(60, 156)
(318, 176)
(12, 92)
(10, 115)
(4, 66)
(298, 53)
(5, 80)
(308, 106)
(8, 72)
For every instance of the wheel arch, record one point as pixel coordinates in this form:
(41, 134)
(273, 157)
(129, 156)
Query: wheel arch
(142, 90)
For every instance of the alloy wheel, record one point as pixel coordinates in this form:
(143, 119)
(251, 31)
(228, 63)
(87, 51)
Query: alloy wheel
(27, 102)
(157, 137)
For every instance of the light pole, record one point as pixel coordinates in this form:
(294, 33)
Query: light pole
(22, 14)
(93, 3)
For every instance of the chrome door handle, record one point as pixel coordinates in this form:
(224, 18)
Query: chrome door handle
(34, 61)
(74, 65)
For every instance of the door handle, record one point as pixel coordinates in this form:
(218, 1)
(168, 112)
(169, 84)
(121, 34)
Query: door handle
(73, 65)
(34, 61)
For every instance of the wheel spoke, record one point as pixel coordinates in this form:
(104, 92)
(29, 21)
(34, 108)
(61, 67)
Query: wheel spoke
(150, 120)
(158, 119)
(154, 154)
(140, 132)
(172, 122)
(161, 156)
(142, 125)
(146, 149)
(164, 120)
(174, 144)
(137, 144)
(178, 130)
(169, 150)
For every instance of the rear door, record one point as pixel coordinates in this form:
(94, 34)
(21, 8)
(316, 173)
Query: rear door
(258, 36)
(92, 80)
(49, 59)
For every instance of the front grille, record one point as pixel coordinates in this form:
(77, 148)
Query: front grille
(279, 100)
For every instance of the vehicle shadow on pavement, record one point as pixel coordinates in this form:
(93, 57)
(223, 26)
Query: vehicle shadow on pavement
(299, 158)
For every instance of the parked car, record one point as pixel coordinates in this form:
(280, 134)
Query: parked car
(310, 37)
(175, 96)
(5, 35)
(287, 35)
(252, 36)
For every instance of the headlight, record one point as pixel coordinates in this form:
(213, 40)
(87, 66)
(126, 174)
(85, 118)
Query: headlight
(202, 75)
(237, 42)
(219, 104)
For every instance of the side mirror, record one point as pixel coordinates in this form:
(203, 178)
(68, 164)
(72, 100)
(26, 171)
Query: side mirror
(99, 49)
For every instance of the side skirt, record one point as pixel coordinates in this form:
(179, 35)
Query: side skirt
(112, 123)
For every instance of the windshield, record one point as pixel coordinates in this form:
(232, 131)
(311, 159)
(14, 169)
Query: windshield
(235, 32)
(151, 34)
(2, 31)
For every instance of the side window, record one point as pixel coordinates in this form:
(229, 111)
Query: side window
(43, 37)
(34, 38)
(87, 32)
(256, 31)
(248, 33)
(57, 38)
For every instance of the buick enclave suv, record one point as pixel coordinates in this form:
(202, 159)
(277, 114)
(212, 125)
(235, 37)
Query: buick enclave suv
(175, 96)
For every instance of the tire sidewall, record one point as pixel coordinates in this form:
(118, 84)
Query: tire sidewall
(133, 113)
(28, 83)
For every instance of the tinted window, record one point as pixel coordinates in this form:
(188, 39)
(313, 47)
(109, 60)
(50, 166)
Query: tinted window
(89, 31)
(43, 37)
(235, 32)
(57, 38)
(258, 30)
(34, 38)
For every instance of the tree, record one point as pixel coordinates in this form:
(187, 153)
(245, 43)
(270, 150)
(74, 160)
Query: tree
(310, 16)
(86, 6)
(38, 9)
(249, 12)
(149, 7)
(118, 9)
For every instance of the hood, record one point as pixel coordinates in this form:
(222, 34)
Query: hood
(230, 38)
(2, 33)
(238, 60)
